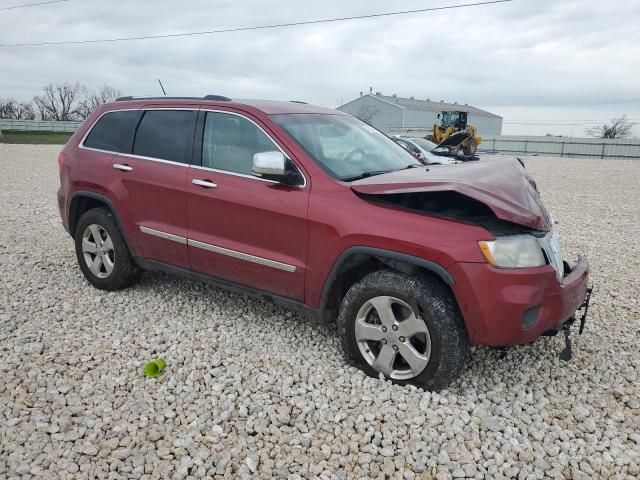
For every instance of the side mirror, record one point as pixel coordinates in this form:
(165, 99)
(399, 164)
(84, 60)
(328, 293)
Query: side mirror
(273, 166)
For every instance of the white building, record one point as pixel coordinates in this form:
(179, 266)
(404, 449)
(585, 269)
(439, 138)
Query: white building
(393, 114)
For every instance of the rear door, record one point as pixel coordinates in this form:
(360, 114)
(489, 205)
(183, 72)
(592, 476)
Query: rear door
(150, 184)
(111, 133)
(241, 228)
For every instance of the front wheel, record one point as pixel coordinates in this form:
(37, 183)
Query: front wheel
(407, 328)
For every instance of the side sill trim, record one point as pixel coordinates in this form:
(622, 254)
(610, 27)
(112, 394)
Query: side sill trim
(165, 235)
(242, 256)
(296, 305)
(220, 250)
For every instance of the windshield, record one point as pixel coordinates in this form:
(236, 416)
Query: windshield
(344, 146)
(426, 144)
(449, 118)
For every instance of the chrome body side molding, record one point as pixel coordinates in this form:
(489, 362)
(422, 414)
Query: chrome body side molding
(219, 250)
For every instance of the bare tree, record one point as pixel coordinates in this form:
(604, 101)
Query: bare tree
(24, 111)
(15, 110)
(367, 113)
(93, 99)
(60, 102)
(618, 128)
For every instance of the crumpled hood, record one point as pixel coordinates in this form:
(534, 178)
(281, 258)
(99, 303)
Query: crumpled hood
(503, 185)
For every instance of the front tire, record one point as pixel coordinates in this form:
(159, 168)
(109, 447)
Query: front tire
(102, 253)
(408, 328)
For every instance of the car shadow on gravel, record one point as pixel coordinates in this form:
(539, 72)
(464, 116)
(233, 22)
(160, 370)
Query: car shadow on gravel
(181, 290)
(488, 367)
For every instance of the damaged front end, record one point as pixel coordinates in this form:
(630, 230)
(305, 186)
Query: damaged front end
(567, 353)
(475, 192)
(521, 297)
(451, 205)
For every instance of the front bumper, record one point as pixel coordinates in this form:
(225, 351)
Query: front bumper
(507, 307)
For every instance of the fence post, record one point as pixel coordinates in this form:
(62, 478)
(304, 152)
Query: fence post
(526, 142)
(562, 150)
(603, 147)
(494, 145)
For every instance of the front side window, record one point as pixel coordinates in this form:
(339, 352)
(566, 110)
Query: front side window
(114, 131)
(345, 147)
(166, 135)
(231, 141)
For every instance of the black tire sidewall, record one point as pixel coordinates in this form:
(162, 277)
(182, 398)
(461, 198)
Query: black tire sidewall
(434, 306)
(124, 270)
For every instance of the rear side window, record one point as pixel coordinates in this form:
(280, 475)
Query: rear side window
(114, 131)
(166, 135)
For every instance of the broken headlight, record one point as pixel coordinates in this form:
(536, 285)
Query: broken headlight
(513, 251)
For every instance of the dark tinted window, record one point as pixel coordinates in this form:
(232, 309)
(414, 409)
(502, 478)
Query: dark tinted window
(166, 134)
(230, 142)
(114, 131)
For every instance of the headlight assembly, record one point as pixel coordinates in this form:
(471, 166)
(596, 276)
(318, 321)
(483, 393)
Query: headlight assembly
(513, 251)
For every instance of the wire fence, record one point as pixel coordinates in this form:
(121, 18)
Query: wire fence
(572, 147)
(38, 125)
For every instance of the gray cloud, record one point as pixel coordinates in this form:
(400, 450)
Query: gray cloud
(531, 54)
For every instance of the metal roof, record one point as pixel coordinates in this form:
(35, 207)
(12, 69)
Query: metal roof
(430, 105)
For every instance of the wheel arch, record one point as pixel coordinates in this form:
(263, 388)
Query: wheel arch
(82, 201)
(357, 261)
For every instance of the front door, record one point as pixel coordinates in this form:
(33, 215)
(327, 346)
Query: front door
(241, 228)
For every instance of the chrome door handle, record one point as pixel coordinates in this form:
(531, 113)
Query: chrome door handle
(124, 168)
(204, 183)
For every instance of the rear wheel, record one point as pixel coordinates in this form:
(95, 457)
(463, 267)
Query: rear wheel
(407, 328)
(103, 255)
(470, 147)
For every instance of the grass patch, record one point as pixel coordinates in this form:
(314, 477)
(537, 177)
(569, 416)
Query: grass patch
(34, 137)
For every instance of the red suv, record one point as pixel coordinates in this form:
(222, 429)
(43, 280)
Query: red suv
(315, 210)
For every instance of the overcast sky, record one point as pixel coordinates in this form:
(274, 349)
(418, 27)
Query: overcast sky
(532, 61)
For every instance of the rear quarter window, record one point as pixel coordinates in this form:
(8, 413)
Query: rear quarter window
(114, 131)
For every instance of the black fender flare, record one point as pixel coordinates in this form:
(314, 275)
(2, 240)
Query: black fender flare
(434, 267)
(96, 196)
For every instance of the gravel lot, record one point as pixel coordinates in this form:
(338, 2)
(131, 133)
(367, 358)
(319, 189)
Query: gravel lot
(251, 390)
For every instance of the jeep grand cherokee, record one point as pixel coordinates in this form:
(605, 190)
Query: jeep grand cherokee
(315, 210)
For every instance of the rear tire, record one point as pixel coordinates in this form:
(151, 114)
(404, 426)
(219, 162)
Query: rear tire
(470, 147)
(424, 341)
(102, 253)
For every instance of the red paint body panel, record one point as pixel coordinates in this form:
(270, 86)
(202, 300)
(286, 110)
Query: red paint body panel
(493, 300)
(309, 228)
(254, 217)
(152, 194)
(339, 219)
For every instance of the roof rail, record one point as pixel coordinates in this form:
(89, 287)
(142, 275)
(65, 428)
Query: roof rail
(219, 98)
(299, 101)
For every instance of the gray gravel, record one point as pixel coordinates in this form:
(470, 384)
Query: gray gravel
(251, 390)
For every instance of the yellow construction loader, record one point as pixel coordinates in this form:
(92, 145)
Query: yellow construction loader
(455, 134)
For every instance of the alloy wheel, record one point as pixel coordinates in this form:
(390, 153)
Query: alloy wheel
(392, 338)
(97, 250)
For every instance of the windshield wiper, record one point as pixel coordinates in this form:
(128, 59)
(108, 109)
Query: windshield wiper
(365, 175)
(413, 165)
